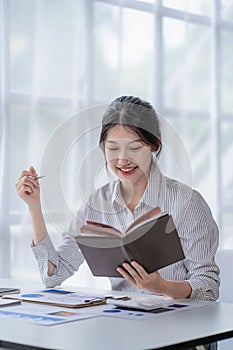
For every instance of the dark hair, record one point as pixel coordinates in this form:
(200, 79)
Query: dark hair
(137, 115)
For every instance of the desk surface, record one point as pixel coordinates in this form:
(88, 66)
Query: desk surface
(211, 322)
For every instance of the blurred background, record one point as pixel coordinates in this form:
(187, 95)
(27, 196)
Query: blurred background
(60, 57)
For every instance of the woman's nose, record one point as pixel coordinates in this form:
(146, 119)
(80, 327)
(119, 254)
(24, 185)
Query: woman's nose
(122, 161)
(123, 156)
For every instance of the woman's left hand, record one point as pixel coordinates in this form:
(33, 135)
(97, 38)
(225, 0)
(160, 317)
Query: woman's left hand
(137, 275)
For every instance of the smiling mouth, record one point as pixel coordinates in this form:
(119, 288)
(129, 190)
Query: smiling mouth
(127, 171)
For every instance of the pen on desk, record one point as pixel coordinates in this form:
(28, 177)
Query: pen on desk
(92, 300)
(97, 299)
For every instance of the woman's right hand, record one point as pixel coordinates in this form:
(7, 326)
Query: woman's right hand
(28, 188)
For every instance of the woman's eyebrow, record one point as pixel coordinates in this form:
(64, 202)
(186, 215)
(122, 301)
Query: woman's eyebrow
(130, 141)
(110, 141)
(138, 140)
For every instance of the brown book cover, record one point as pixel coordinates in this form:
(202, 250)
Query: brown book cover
(153, 242)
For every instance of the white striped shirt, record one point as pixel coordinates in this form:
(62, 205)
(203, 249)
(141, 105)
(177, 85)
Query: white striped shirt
(196, 227)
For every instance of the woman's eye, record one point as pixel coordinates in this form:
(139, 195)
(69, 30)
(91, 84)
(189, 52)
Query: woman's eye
(135, 148)
(112, 148)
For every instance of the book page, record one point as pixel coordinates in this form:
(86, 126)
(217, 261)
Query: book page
(98, 229)
(150, 215)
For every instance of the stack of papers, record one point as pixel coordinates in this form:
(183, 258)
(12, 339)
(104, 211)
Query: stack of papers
(59, 297)
(53, 306)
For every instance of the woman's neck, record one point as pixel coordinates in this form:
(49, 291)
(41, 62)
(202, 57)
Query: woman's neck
(132, 194)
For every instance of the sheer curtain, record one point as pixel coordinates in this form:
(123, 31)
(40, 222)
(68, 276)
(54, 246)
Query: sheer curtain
(62, 57)
(4, 145)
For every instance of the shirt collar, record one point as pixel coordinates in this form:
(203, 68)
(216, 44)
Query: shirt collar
(154, 193)
(116, 193)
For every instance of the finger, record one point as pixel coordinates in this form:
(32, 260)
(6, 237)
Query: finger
(140, 270)
(133, 273)
(125, 275)
(25, 189)
(33, 170)
(26, 183)
(27, 173)
(27, 180)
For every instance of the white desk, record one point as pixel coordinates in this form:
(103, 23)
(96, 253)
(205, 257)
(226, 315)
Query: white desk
(195, 326)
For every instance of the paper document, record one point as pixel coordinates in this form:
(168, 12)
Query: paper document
(8, 302)
(59, 297)
(154, 303)
(43, 314)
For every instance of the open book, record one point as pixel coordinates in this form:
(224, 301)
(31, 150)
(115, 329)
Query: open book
(152, 240)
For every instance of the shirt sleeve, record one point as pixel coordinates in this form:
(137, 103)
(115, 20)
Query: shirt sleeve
(67, 258)
(200, 236)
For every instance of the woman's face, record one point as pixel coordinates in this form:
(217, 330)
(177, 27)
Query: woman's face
(127, 156)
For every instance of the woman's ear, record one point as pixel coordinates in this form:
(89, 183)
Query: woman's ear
(154, 149)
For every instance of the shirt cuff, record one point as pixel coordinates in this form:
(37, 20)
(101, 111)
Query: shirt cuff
(198, 291)
(45, 248)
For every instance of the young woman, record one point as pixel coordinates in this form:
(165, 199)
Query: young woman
(131, 141)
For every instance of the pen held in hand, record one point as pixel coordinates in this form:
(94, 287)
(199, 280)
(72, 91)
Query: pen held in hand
(39, 177)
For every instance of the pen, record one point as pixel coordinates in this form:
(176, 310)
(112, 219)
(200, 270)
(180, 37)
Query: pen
(92, 300)
(39, 177)
(98, 299)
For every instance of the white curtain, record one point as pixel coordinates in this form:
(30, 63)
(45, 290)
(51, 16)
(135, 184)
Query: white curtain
(4, 145)
(59, 57)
